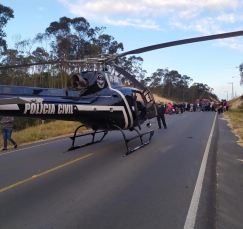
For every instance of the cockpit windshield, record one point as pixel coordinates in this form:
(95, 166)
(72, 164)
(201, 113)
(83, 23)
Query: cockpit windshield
(114, 80)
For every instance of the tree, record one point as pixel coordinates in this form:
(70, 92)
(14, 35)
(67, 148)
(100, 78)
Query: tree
(73, 39)
(183, 86)
(108, 45)
(5, 14)
(157, 77)
(170, 81)
(132, 65)
(200, 91)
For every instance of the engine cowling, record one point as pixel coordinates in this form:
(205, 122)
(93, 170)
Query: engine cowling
(79, 82)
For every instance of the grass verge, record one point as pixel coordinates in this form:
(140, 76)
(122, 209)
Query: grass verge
(43, 132)
(235, 121)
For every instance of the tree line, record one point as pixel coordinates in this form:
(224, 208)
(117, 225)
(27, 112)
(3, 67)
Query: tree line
(75, 39)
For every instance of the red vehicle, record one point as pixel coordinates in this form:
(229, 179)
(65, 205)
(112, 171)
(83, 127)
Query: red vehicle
(203, 100)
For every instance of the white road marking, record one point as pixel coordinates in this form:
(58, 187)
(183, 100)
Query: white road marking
(192, 213)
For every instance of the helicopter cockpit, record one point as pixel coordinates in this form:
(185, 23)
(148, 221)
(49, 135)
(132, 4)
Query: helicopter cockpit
(139, 105)
(114, 80)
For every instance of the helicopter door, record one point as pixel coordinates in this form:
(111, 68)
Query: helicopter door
(139, 109)
(150, 104)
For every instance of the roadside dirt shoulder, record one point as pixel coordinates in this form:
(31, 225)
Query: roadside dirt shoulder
(235, 122)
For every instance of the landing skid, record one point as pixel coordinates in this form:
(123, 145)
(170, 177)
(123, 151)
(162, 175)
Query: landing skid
(81, 135)
(129, 151)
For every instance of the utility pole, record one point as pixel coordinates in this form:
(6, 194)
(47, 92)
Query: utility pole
(232, 95)
(227, 95)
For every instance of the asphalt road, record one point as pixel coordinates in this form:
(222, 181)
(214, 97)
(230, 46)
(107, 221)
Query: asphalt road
(96, 187)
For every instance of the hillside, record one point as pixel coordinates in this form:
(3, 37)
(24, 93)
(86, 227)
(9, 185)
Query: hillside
(236, 103)
(235, 118)
(161, 99)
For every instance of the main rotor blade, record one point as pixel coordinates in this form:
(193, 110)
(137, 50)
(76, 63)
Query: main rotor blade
(42, 63)
(20, 100)
(182, 42)
(129, 76)
(27, 65)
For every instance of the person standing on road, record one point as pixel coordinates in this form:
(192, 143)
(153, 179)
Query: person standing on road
(224, 105)
(161, 115)
(191, 107)
(7, 128)
(213, 106)
(180, 107)
(227, 105)
(185, 107)
(220, 108)
(200, 105)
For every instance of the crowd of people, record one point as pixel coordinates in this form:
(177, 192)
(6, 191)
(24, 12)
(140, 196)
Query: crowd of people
(198, 106)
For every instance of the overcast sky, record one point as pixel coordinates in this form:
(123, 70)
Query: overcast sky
(139, 23)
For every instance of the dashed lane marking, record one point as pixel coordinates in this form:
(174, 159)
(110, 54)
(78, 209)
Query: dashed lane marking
(41, 174)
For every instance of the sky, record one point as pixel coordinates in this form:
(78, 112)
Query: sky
(139, 23)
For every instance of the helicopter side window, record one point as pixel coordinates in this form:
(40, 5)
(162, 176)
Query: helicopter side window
(150, 104)
(149, 99)
(139, 101)
(140, 106)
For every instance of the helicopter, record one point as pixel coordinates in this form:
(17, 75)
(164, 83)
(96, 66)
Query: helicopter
(99, 101)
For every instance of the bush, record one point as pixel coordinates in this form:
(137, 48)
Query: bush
(236, 110)
(23, 123)
(240, 107)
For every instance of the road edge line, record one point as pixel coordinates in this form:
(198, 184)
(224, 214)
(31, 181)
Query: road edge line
(192, 212)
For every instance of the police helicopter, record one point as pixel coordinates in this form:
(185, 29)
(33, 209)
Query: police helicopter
(100, 101)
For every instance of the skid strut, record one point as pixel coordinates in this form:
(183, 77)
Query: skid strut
(129, 151)
(81, 135)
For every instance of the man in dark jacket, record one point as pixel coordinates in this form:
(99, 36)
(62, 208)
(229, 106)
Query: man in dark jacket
(7, 128)
(161, 112)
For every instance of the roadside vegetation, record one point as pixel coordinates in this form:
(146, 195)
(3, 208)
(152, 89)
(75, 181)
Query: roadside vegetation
(44, 131)
(235, 117)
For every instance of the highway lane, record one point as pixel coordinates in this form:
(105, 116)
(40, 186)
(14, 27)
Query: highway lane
(151, 188)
